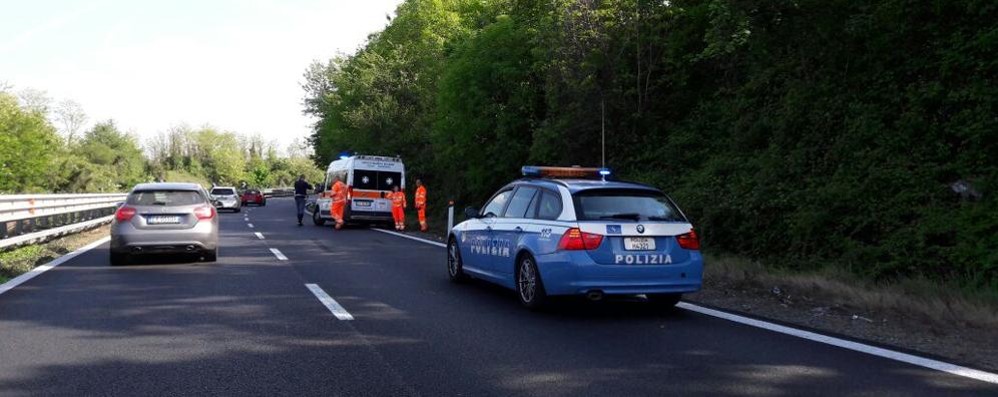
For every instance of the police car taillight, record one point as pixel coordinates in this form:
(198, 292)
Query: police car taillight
(576, 240)
(689, 241)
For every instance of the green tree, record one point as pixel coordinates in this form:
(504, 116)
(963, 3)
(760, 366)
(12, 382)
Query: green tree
(26, 147)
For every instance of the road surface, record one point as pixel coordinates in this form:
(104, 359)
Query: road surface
(250, 325)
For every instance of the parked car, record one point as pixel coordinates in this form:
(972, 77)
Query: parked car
(253, 196)
(225, 198)
(171, 218)
(568, 231)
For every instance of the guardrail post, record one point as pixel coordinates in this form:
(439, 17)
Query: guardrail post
(450, 216)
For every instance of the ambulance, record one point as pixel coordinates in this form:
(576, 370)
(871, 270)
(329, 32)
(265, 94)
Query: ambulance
(369, 179)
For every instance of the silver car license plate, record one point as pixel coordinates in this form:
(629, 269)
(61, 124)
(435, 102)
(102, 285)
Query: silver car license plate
(639, 243)
(163, 220)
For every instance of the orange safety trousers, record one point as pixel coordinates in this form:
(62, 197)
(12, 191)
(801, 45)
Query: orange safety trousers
(398, 213)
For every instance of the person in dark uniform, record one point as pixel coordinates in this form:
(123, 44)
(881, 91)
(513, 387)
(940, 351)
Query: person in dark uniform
(301, 192)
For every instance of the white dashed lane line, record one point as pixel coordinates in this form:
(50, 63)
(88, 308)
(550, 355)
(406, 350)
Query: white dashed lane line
(250, 225)
(329, 302)
(278, 254)
(259, 235)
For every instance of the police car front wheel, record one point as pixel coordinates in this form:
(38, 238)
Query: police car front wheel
(529, 287)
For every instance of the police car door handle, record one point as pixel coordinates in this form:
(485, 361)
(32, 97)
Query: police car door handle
(518, 229)
(488, 228)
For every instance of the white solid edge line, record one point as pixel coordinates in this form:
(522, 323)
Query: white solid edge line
(9, 285)
(845, 344)
(403, 235)
(812, 336)
(329, 302)
(259, 235)
(278, 254)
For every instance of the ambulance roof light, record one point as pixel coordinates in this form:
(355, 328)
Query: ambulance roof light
(533, 171)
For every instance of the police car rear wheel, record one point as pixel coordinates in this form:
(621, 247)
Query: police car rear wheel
(455, 268)
(529, 287)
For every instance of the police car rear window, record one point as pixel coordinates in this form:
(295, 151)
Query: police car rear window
(622, 205)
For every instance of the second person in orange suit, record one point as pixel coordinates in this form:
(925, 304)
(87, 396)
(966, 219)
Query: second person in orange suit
(398, 207)
(421, 204)
(339, 201)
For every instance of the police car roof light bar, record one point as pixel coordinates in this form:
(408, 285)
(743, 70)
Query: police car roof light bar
(533, 171)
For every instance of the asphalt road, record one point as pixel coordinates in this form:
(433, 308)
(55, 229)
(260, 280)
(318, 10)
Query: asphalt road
(248, 325)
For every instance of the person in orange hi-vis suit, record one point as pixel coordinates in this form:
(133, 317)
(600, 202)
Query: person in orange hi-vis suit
(421, 204)
(398, 207)
(339, 201)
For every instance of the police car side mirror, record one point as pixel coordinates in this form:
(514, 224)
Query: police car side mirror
(471, 213)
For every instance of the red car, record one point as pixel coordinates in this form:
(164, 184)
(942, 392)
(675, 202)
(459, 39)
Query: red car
(254, 197)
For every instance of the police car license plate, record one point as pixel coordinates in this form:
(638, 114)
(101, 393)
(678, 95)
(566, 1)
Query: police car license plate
(163, 220)
(639, 244)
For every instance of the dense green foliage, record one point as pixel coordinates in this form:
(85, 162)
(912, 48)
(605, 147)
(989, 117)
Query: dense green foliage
(25, 139)
(34, 158)
(806, 133)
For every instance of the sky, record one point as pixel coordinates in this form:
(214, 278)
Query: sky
(150, 65)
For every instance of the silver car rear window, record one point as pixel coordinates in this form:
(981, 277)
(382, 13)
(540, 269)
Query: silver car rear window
(165, 197)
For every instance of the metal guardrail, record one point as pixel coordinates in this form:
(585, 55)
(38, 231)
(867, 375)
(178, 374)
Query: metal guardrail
(26, 219)
(279, 192)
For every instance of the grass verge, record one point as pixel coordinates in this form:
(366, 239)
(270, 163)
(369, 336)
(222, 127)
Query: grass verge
(919, 299)
(20, 260)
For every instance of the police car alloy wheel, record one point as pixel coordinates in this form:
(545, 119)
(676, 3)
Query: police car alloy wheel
(454, 266)
(529, 287)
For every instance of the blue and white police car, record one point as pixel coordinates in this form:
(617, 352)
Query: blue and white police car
(569, 231)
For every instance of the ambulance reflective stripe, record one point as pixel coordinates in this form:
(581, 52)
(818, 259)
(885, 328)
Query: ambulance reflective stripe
(643, 259)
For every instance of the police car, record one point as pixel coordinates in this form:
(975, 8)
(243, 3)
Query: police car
(570, 231)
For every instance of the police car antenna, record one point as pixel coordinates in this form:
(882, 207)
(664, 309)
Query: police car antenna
(602, 105)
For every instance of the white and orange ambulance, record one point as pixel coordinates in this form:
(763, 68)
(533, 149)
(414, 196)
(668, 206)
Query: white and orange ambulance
(369, 179)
